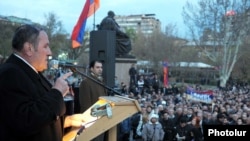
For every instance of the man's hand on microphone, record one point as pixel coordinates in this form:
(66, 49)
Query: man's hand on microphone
(61, 83)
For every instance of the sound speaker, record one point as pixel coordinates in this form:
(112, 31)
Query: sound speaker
(102, 47)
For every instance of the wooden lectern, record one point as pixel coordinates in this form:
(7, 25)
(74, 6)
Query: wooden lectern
(122, 108)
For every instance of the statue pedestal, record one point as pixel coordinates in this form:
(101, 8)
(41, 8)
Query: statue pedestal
(122, 66)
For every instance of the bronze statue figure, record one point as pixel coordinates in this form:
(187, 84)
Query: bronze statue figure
(123, 43)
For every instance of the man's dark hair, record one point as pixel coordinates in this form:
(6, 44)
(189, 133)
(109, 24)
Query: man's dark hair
(92, 63)
(25, 33)
(183, 120)
(221, 115)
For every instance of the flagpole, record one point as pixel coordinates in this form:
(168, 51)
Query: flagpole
(94, 19)
(79, 29)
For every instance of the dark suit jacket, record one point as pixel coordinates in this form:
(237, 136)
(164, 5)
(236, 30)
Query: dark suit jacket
(29, 109)
(89, 93)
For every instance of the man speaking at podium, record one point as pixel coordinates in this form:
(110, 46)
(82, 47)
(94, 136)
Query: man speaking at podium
(90, 91)
(31, 108)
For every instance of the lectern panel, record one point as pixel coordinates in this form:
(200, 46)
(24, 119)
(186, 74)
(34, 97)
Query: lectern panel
(122, 108)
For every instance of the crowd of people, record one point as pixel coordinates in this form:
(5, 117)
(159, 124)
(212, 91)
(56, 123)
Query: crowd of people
(168, 115)
(179, 118)
(32, 108)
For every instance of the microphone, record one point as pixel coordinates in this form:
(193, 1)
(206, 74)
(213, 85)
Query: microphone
(85, 126)
(80, 130)
(55, 64)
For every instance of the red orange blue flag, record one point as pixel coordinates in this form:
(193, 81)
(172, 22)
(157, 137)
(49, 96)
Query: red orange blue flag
(165, 73)
(89, 9)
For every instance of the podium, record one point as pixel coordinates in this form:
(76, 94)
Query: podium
(121, 108)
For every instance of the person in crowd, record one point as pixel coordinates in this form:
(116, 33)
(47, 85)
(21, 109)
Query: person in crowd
(90, 91)
(233, 119)
(160, 110)
(221, 119)
(183, 130)
(136, 120)
(157, 83)
(244, 117)
(168, 126)
(140, 84)
(168, 90)
(196, 129)
(117, 83)
(124, 129)
(137, 123)
(171, 113)
(189, 116)
(239, 121)
(32, 109)
(153, 131)
(195, 108)
(146, 82)
(133, 89)
(178, 114)
(213, 118)
(175, 89)
(124, 89)
(133, 75)
(149, 111)
(207, 118)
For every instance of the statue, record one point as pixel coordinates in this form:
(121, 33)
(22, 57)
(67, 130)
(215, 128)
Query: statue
(123, 43)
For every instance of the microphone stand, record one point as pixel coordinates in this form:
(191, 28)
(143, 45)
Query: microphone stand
(73, 69)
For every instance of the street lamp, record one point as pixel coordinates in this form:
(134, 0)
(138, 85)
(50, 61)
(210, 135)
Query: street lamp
(63, 56)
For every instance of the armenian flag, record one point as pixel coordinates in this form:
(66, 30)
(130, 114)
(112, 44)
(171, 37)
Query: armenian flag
(89, 9)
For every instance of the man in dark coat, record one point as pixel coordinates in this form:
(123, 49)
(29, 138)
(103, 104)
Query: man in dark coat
(90, 91)
(133, 74)
(168, 126)
(31, 108)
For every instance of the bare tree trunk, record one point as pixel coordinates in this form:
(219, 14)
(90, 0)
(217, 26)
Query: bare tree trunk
(219, 28)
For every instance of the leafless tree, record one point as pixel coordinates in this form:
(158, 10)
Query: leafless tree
(219, 28)
(61, 42)
(157, 47)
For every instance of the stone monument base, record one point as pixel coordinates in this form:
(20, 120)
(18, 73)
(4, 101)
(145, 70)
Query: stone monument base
(122, 66)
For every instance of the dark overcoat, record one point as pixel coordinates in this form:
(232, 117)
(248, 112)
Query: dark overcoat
(89, 93)
(29, 109)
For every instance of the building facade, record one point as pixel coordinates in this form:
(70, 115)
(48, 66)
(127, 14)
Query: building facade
(144, 23)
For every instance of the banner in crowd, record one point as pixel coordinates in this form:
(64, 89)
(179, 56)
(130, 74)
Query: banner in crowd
(199, 96)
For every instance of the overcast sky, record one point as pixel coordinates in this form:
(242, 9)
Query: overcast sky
(68, 11)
